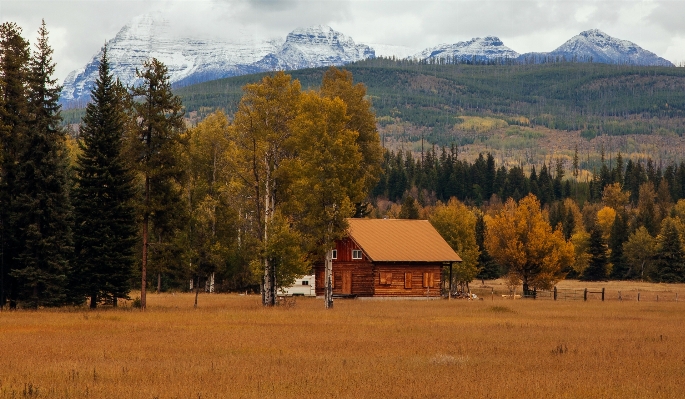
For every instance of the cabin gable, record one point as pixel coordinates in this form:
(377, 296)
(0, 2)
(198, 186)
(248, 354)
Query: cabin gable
(388, 257)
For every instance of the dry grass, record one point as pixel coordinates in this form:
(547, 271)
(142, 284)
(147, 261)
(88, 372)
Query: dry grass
(614, 290)
(232, 347)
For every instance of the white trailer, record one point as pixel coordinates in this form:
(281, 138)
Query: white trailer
(303, 286)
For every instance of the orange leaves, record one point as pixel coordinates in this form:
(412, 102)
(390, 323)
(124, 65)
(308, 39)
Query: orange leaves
(521, 240)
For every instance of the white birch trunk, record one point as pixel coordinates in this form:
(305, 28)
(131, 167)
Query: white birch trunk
(269, 297)
(328, 291)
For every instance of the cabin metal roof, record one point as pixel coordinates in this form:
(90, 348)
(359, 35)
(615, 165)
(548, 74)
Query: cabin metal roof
(400, 240)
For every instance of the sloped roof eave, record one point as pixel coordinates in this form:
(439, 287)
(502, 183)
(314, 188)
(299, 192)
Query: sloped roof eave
(400, 240)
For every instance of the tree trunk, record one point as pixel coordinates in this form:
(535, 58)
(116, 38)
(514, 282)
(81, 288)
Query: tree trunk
(449, 293)
(159, 282)
(197, 290)
(93, 301)
(328, 292)
(144, 271)
(269, 289)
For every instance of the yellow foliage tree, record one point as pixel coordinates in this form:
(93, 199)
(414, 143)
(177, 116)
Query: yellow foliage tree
(519, 238)
(614, 196)
(457, 225)
(605, 219)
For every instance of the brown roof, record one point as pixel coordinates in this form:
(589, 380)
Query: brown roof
(400, 240)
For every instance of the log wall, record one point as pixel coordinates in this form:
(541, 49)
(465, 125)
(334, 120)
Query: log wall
(383, 279)
(361, 273)
(397, 279)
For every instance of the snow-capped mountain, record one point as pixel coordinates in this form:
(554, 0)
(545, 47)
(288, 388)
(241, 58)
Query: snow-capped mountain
(599, 47)
(486, 48)
(314, 47)
(192, 60)
(589, 46)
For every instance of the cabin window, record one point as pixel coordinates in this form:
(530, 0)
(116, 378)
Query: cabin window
(305, 282)
(334, 254)
(385, 278)
(407, 280)
(428, 281)
(356, 254)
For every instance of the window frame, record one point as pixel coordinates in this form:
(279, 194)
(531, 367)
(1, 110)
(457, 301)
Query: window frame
(334, 254)
(355, 252)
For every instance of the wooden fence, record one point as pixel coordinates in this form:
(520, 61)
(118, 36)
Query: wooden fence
(580, 294)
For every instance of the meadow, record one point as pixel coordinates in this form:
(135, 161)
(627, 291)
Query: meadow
(232, 347)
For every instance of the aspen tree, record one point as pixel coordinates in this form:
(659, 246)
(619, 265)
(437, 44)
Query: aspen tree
(263, 124)
(520, 239)
(326, 176)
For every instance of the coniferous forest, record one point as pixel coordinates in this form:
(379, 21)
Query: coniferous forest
(248, 196)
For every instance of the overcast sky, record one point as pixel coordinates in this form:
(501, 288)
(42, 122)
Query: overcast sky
(78, 28)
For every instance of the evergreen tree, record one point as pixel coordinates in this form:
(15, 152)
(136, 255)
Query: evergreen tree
(160, 121)
(618, 236)
(558, 178)
(409, 209)
(105, 229)
(41, 212)
(670, 261)
(597, 267)
(489, 269)
(14, 61)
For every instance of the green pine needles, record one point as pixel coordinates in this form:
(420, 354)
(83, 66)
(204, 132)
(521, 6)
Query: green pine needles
(105, 225)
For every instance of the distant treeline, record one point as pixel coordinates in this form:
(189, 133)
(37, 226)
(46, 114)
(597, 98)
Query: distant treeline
(624, 223)
(441, 173)
(597, 99)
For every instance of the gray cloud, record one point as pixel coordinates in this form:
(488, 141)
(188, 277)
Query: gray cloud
(80, 27)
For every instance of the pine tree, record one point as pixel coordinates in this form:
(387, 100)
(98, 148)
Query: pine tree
(160, 121)
(42, 210)
(489, 269)
(619, 235)
(670, 261)
(409, 209)
(597, 268)
(105, 230)
(14, 59)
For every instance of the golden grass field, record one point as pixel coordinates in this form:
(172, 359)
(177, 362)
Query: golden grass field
(231, 347)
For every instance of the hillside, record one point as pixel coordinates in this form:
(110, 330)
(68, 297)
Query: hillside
(591, 98)
(523, 114)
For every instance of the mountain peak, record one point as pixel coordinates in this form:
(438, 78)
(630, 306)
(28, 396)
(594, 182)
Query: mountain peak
(598, 46)
(593, 32)
(318, 45)
(481, 48)
(194, 60)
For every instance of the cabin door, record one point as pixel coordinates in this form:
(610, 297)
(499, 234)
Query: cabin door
(347, 282)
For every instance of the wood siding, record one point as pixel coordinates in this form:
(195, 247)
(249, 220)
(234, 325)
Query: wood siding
(353, 277)
(345, 248)
(365, 278)
(419, 275)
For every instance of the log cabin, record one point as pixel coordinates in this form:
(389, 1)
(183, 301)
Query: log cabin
(388, 257)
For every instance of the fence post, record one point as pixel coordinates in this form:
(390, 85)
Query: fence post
(585, 295)
(493, 294)
(676, 297)
(602, 294)
(657, 297)
(620, 297)
(638, 296)
(555, 293)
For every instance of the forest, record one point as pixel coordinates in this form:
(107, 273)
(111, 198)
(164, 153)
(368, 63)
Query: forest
(252, 201)
(595, 99)
(160, 190)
